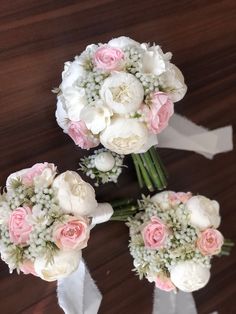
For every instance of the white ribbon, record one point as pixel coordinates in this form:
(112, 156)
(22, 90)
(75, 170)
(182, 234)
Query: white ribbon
(77, 293)
(173, 303)
(184, 134)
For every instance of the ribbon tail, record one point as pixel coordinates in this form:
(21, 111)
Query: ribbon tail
(173, 303)
(78, 294)
(184, 134)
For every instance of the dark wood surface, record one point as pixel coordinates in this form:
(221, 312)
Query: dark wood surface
(36, 37)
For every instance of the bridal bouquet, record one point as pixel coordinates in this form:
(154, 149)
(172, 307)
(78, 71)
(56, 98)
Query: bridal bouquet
(45, 221)
(121, 94)
(173, 238)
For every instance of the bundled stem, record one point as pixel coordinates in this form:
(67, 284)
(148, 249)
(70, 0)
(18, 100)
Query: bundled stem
(150, 170)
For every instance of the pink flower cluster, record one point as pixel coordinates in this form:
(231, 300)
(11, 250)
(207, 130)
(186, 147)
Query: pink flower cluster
(108, 58)
(158, 113)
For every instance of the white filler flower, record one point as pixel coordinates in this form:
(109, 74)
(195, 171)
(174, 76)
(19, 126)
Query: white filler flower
(64, 263)
(204, 213)
(122, 92)
(125, 136)
(189, 276)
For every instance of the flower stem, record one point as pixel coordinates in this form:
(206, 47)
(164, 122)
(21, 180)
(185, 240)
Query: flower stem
(144, 173)
(159, 167)
(138, 172)
(151, 170)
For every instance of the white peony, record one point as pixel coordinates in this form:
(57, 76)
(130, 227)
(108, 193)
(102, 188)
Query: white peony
(153, 60)
(74, 195)
(125, 136)
(46, 178)
(122, 92)
(204, 213)
(123, 42)
(75, 100)
(104, 161)
(189, 276)
(173, 83)
(72, 72)
(96, 116)
(64, 263)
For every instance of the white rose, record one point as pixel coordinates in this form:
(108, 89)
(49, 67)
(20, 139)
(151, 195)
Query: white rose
(46, 178)
(61, 115)
(74, 195)
(104, 161)
(75, 100)
(123, 42)
(153, 60)
(72, 72)
(122, 92)
(125, 136)
(189, 276)
(173, 83)
(96, 116)
(204, 213)
(64, 263)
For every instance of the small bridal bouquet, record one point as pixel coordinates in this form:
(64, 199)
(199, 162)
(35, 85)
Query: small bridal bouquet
(45, 221)
(173, 238)
(121, 94)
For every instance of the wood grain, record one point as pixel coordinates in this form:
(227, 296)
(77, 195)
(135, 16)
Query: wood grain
(36, 37)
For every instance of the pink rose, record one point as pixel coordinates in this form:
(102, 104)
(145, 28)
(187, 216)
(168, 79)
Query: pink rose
(210, 242)
(28, 268)
(164, 283)
(108, 58)
(180, 197)
(81, 135)
(19, 228)
(71, 235)
(33, 172)
(155, 233)
(159, 112)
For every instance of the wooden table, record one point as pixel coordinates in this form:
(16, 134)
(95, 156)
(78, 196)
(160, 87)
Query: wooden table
(36, 37)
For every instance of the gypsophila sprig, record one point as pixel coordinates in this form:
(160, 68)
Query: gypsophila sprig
(45, 221)
(173, 238)
(103, 166)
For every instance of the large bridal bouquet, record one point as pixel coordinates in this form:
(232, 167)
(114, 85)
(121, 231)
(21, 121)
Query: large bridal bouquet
(45, 221)
(121, 94)
(173, 238)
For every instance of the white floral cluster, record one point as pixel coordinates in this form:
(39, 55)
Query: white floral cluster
(45, 221)
(103, 166)
(172, 239)
(119, 94)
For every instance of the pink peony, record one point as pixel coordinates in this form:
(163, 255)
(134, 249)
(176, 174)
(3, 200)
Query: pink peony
(210, 242)
(71, 235)
(155, 233)
(81, 135)
(34, 171)
(108, 58)
(19, 228)
(164, 283)
(159, 112)
(28, 268)
(180, 197)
